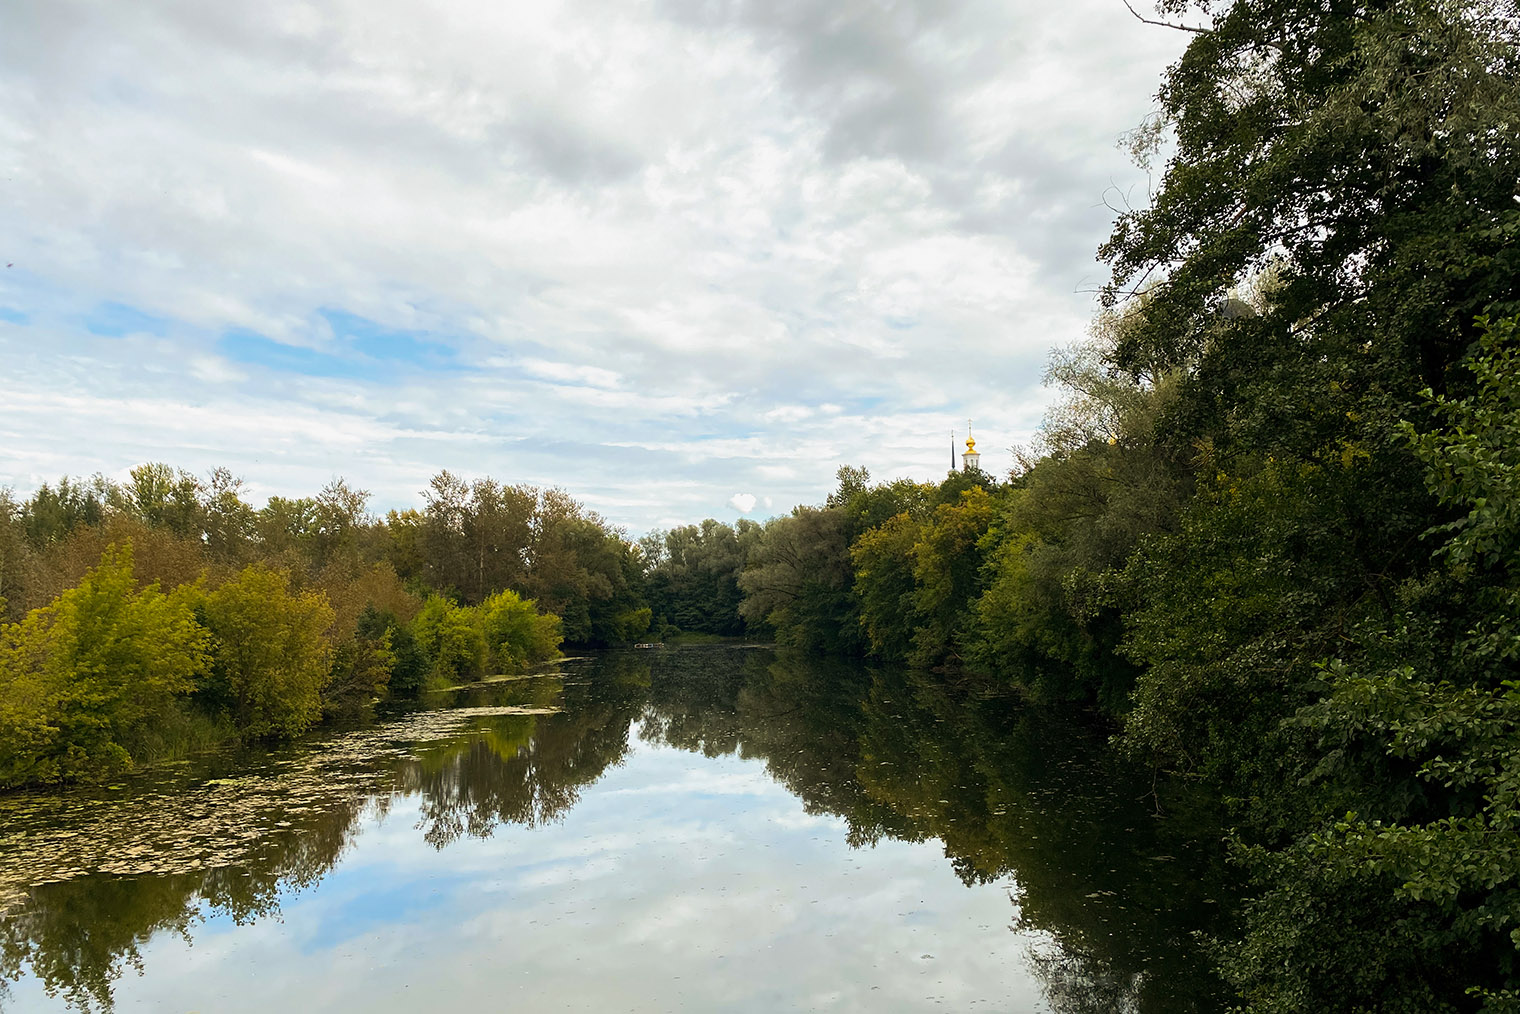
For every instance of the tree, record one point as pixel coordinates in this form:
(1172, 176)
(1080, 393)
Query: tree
(799, 581)
(270, 658)
(84, 680)
(498, 529)
(54, 512)
(516, 634)
(404, 546)
(694, 584)
(1369, 152)
(13, 554)
(228, 520)
(868, 506)
(883, 559)
(1417, 735)
(164, 497)
(586, 572)
(285, 528)
(409, 663)
(338, 516)
(445, 546)
(451, 637)
(360, 673)
(947, 570)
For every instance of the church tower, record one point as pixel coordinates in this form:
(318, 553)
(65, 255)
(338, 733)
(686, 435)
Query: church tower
(971, 461)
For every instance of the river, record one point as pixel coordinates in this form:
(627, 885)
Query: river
(696, 829)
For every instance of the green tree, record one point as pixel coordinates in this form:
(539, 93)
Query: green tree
(360, 673)
(338, 519)
(694, 580)
(285, 528)
(1409, 901)
(497, 529)
(516, 634)
(164, 497)
(799, 581)
(947, 572)
(84, 680)
(13, 554)
(1369, 152)
(410, 664)
(53, 512)
(451, 636)
(868, 506)
(884, 561)
(444, 542)
(228, 520)
(270, 656)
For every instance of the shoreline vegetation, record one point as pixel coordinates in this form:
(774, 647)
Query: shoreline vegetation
(1270, 531)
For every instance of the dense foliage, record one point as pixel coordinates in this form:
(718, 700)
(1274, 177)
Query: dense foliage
(140, 620)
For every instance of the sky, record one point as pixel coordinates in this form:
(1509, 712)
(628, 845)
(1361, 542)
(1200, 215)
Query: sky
(682, 258)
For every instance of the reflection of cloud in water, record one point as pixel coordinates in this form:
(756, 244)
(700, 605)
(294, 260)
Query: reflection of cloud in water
(703, 781)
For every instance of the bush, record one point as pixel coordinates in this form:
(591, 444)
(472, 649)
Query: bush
(270, 658)
(84, 680)
(452, 637)
(516, 635)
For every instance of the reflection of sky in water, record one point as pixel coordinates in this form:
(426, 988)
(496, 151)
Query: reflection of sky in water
(677, 882)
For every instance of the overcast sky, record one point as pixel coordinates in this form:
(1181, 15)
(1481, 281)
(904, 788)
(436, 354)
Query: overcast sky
(682, 258)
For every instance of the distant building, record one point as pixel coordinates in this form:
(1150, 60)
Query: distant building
(971, 461)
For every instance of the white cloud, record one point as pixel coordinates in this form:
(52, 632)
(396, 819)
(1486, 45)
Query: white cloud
(742, 502)
(659, 243)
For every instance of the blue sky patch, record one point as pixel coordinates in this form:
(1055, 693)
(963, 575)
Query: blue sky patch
(13, 316)
(253, 349)
(389, 345)
(357, 901)
(363, 350)
(115, 320)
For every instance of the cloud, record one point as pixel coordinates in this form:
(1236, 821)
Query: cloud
(677, 248)
(742, 502)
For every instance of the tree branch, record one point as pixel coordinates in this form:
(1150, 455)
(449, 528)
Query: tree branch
(1165, 24)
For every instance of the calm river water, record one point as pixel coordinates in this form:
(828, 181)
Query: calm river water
(696, 829)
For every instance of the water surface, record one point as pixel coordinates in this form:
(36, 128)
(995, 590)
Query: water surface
(704, 829)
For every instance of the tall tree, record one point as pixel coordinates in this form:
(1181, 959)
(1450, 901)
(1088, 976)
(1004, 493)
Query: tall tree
(1366, 149)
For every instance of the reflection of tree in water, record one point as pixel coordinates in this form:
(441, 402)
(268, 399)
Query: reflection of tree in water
(234, 847)
(1031, 795)
(799, 714)
(1011, 792)
(79, 936)
(1087, 983)
(524, 769)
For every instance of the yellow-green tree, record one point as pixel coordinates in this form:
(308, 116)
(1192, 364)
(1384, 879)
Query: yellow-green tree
(947, 564)
(83, 680)
(270, 658)
(516, 634)
(452, 638)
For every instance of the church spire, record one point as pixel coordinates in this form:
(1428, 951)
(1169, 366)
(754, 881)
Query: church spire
(971, 461)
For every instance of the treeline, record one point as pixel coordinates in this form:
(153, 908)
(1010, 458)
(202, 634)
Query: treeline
(152, 617)
(1274, 527)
